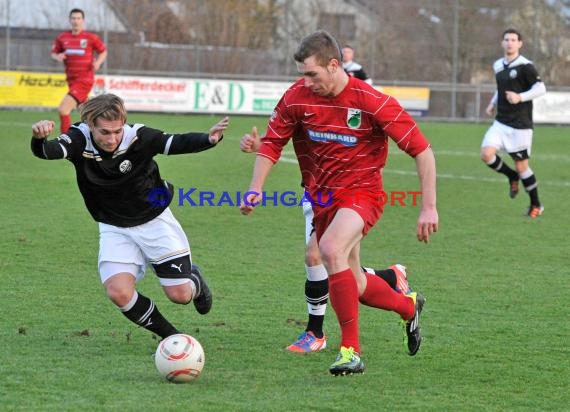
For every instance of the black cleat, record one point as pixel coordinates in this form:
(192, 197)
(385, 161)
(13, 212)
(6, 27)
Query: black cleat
(513, 188)
(203, 299)
(412, 331)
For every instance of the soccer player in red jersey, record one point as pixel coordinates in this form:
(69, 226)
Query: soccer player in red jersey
(313, 338)
(76, 49)
(344, 127)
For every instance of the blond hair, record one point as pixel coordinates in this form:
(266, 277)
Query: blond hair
(106, 106)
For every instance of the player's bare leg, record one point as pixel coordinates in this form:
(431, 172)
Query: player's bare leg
(67, 105)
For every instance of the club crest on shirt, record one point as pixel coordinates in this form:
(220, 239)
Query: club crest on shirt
(513, 74)
(353, 118)
(83, 43)
(125, 166)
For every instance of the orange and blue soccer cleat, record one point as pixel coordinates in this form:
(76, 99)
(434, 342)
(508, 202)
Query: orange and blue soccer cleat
(307, 342)
(402, 285)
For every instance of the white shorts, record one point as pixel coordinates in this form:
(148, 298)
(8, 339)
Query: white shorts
(503, 137)
(155, 242)
(309, 215)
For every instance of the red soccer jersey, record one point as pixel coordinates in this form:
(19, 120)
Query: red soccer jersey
(341, 142)
(78, 49)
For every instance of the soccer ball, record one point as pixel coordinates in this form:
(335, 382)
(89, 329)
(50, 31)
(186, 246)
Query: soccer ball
(180, 358)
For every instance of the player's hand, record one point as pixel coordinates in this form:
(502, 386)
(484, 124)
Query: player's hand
(428, 223)
(217, 130)
(490, 109)
(42, 129)
(60, 57)
(251, 199)
(250, 142)
(513, 98)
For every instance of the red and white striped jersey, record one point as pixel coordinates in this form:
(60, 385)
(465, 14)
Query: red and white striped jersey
(341, 142)
(78, 49)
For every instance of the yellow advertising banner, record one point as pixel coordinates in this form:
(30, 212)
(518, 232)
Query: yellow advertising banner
(172, 95)
(414, 99)
(29, 89)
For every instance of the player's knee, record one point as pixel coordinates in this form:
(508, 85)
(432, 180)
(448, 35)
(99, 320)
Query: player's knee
(120, 296)
(486, 155)
(63, 111)
(330, 252)
(181, 294)
(521, 167)
(312, 257)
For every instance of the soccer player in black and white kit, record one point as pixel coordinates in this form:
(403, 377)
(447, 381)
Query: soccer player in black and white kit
(518, 83)
(124, 192)
(351, 67)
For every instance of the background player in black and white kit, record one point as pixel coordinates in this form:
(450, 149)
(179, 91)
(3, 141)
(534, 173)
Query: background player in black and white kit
(124, 192)
(518, 83)
(351, 67)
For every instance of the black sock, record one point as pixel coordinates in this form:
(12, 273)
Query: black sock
(531, 186)
(501, 167)
(316, 294)
(145, 313)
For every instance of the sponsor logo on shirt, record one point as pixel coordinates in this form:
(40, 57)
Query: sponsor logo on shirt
(75, 52)
(329, 137)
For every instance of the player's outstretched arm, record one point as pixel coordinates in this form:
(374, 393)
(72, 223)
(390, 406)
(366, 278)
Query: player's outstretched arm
(428, 220)
(260, 172)
(43, 148)
(42, 129)
(217, 130)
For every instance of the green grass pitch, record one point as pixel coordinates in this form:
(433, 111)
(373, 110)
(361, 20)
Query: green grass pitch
(495, 323)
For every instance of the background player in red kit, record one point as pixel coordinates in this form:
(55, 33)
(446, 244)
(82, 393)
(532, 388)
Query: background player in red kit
(75, 49)
(344, 125)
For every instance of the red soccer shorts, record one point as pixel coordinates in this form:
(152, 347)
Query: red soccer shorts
(80, 89)
(369, 205)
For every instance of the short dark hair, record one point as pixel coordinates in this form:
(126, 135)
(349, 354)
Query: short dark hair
(513, 31)
(77, 11)
(320, 44)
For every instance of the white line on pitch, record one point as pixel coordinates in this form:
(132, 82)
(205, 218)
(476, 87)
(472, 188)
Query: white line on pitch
(447, 175)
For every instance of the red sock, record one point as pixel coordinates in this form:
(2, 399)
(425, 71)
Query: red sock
(343, 293)
(65, 122)
(379, 294)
